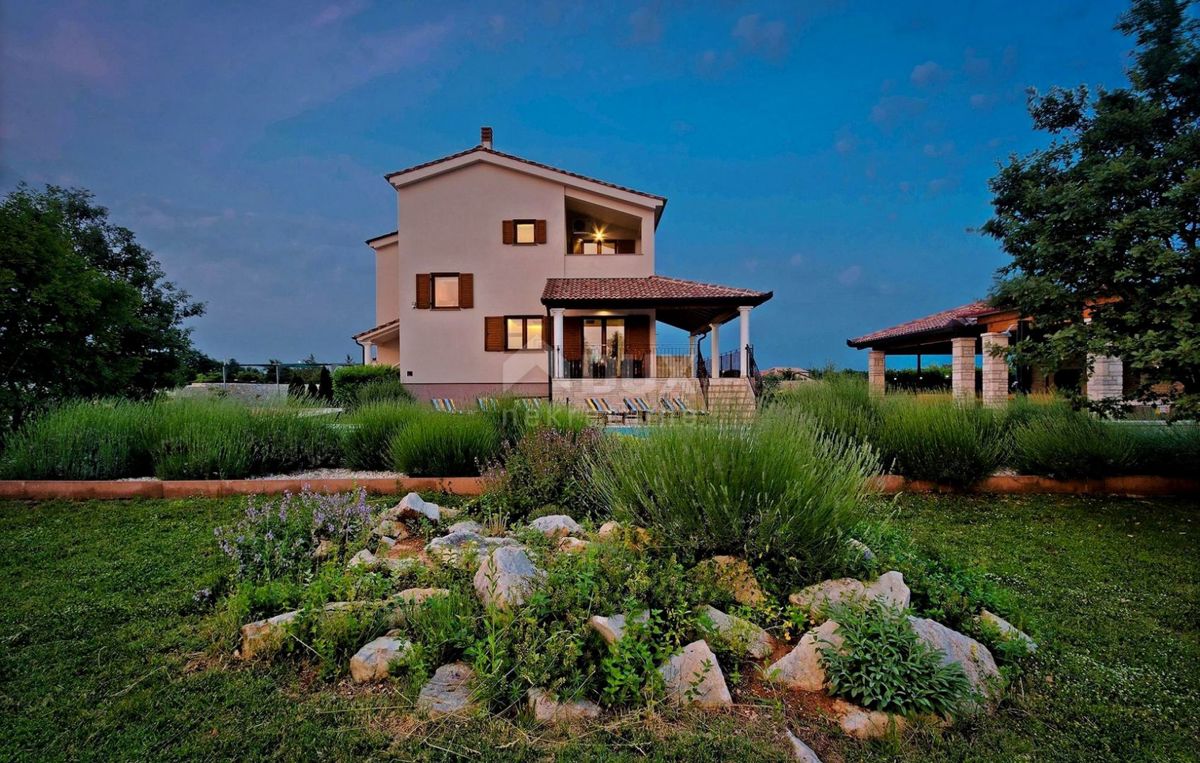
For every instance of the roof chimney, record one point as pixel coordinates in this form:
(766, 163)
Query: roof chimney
(485, 137)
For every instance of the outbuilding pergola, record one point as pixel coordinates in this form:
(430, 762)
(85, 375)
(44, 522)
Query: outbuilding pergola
(963, 333)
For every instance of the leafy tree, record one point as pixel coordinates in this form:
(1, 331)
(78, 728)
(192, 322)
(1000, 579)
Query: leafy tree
(1104, 221)
(84, 309)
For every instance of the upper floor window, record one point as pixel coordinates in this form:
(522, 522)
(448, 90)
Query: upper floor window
(445, 290)
(525, 230)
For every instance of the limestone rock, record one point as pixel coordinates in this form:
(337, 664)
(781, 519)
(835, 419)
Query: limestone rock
(801, 751)
(736, 577)
(556, 526)
(391, 528)
(324, 550)
(371, 662)
(546, 709)
(864, 551)
(467, 525)
(1008, 631)
(974, 658)
(505, 577)
(861, 723)
(264, 636)
(608, 530)
(573, 545)
(611, 629)
(413, 506)
(694, 677)
(817, 597)
(386, 544)
(363, 558)
(741, 635)
(452, 548)
(403, 565)
(448, 692)
(419, 595)
(801, 668)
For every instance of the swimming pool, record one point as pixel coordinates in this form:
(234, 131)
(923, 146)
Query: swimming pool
(627, 430)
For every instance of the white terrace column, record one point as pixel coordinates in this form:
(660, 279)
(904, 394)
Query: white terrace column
(962, 367)
(715, 337)
(876, 367)
(995, 371)
(744, 325)
(556, 313)
(1106, 380)
(693, 342)
(366, 348)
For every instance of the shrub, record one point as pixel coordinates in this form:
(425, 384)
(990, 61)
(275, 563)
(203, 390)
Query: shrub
(839, 403)
(368, 433)
(347, 380)
(286, 440)
(546, 467)
(82, 440)
(1171, 450)
(202, 439)
(1070, 445)
(939, 440)
(445, 445)
(779, 490)
(385, 390)
(276, 539)
(883, 665)
(509, 417)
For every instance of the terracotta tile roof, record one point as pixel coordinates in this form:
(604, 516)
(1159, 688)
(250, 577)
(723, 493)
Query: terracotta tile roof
(381, 326)
(648, 288)
(530, 162)
(963, 315)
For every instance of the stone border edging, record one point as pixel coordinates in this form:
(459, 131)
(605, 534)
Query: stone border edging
(1028, 484)
(75, 490)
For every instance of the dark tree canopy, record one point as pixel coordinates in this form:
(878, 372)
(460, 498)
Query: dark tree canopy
(1105, 221)
(84, 309)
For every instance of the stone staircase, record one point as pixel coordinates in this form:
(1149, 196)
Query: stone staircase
(732, 398)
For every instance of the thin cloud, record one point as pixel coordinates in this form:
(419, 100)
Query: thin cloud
(768, 39)
(982, 101)
(645, 25)
(73, 49)
(336, 12)
(894, 110)
(928, 74)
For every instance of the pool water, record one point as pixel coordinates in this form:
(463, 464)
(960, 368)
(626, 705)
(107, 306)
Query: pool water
(627, 430)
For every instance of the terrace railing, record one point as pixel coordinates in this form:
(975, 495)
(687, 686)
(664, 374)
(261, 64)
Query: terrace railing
(607, 362)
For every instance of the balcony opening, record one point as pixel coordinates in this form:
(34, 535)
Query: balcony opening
(596, 230)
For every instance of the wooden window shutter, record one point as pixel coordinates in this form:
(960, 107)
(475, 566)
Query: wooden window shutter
(539, 231)
(508, 232)
(493, 333)
(548, 332)
(637, 334)
(424, 291)
(466, 290)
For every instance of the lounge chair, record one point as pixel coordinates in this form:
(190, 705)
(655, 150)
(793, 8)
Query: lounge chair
(634, 410)
(444, 405)
(601, 408)
(679, 403)
(668, 408)
(645, 408)
(485, 403)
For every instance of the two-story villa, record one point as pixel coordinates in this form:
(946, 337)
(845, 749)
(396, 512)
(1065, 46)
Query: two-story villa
(507, 275)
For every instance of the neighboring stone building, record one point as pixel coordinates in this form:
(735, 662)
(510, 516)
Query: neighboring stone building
(969, 331)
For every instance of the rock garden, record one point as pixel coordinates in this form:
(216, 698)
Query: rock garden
(703, 568)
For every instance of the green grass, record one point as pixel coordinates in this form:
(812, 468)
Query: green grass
(103, 653)
(368, 432)
(82, 440)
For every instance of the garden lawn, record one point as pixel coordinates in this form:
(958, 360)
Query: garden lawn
(103, 654)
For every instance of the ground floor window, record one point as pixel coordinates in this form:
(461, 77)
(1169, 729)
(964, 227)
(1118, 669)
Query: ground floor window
(523, 332)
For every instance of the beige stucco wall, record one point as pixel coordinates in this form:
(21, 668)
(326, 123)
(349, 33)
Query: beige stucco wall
(452, 223)
(387, 281)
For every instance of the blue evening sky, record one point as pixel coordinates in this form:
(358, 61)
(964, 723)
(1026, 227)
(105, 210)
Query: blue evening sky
(836, 153)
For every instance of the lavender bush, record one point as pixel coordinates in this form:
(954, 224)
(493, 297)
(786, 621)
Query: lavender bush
(278, 539)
